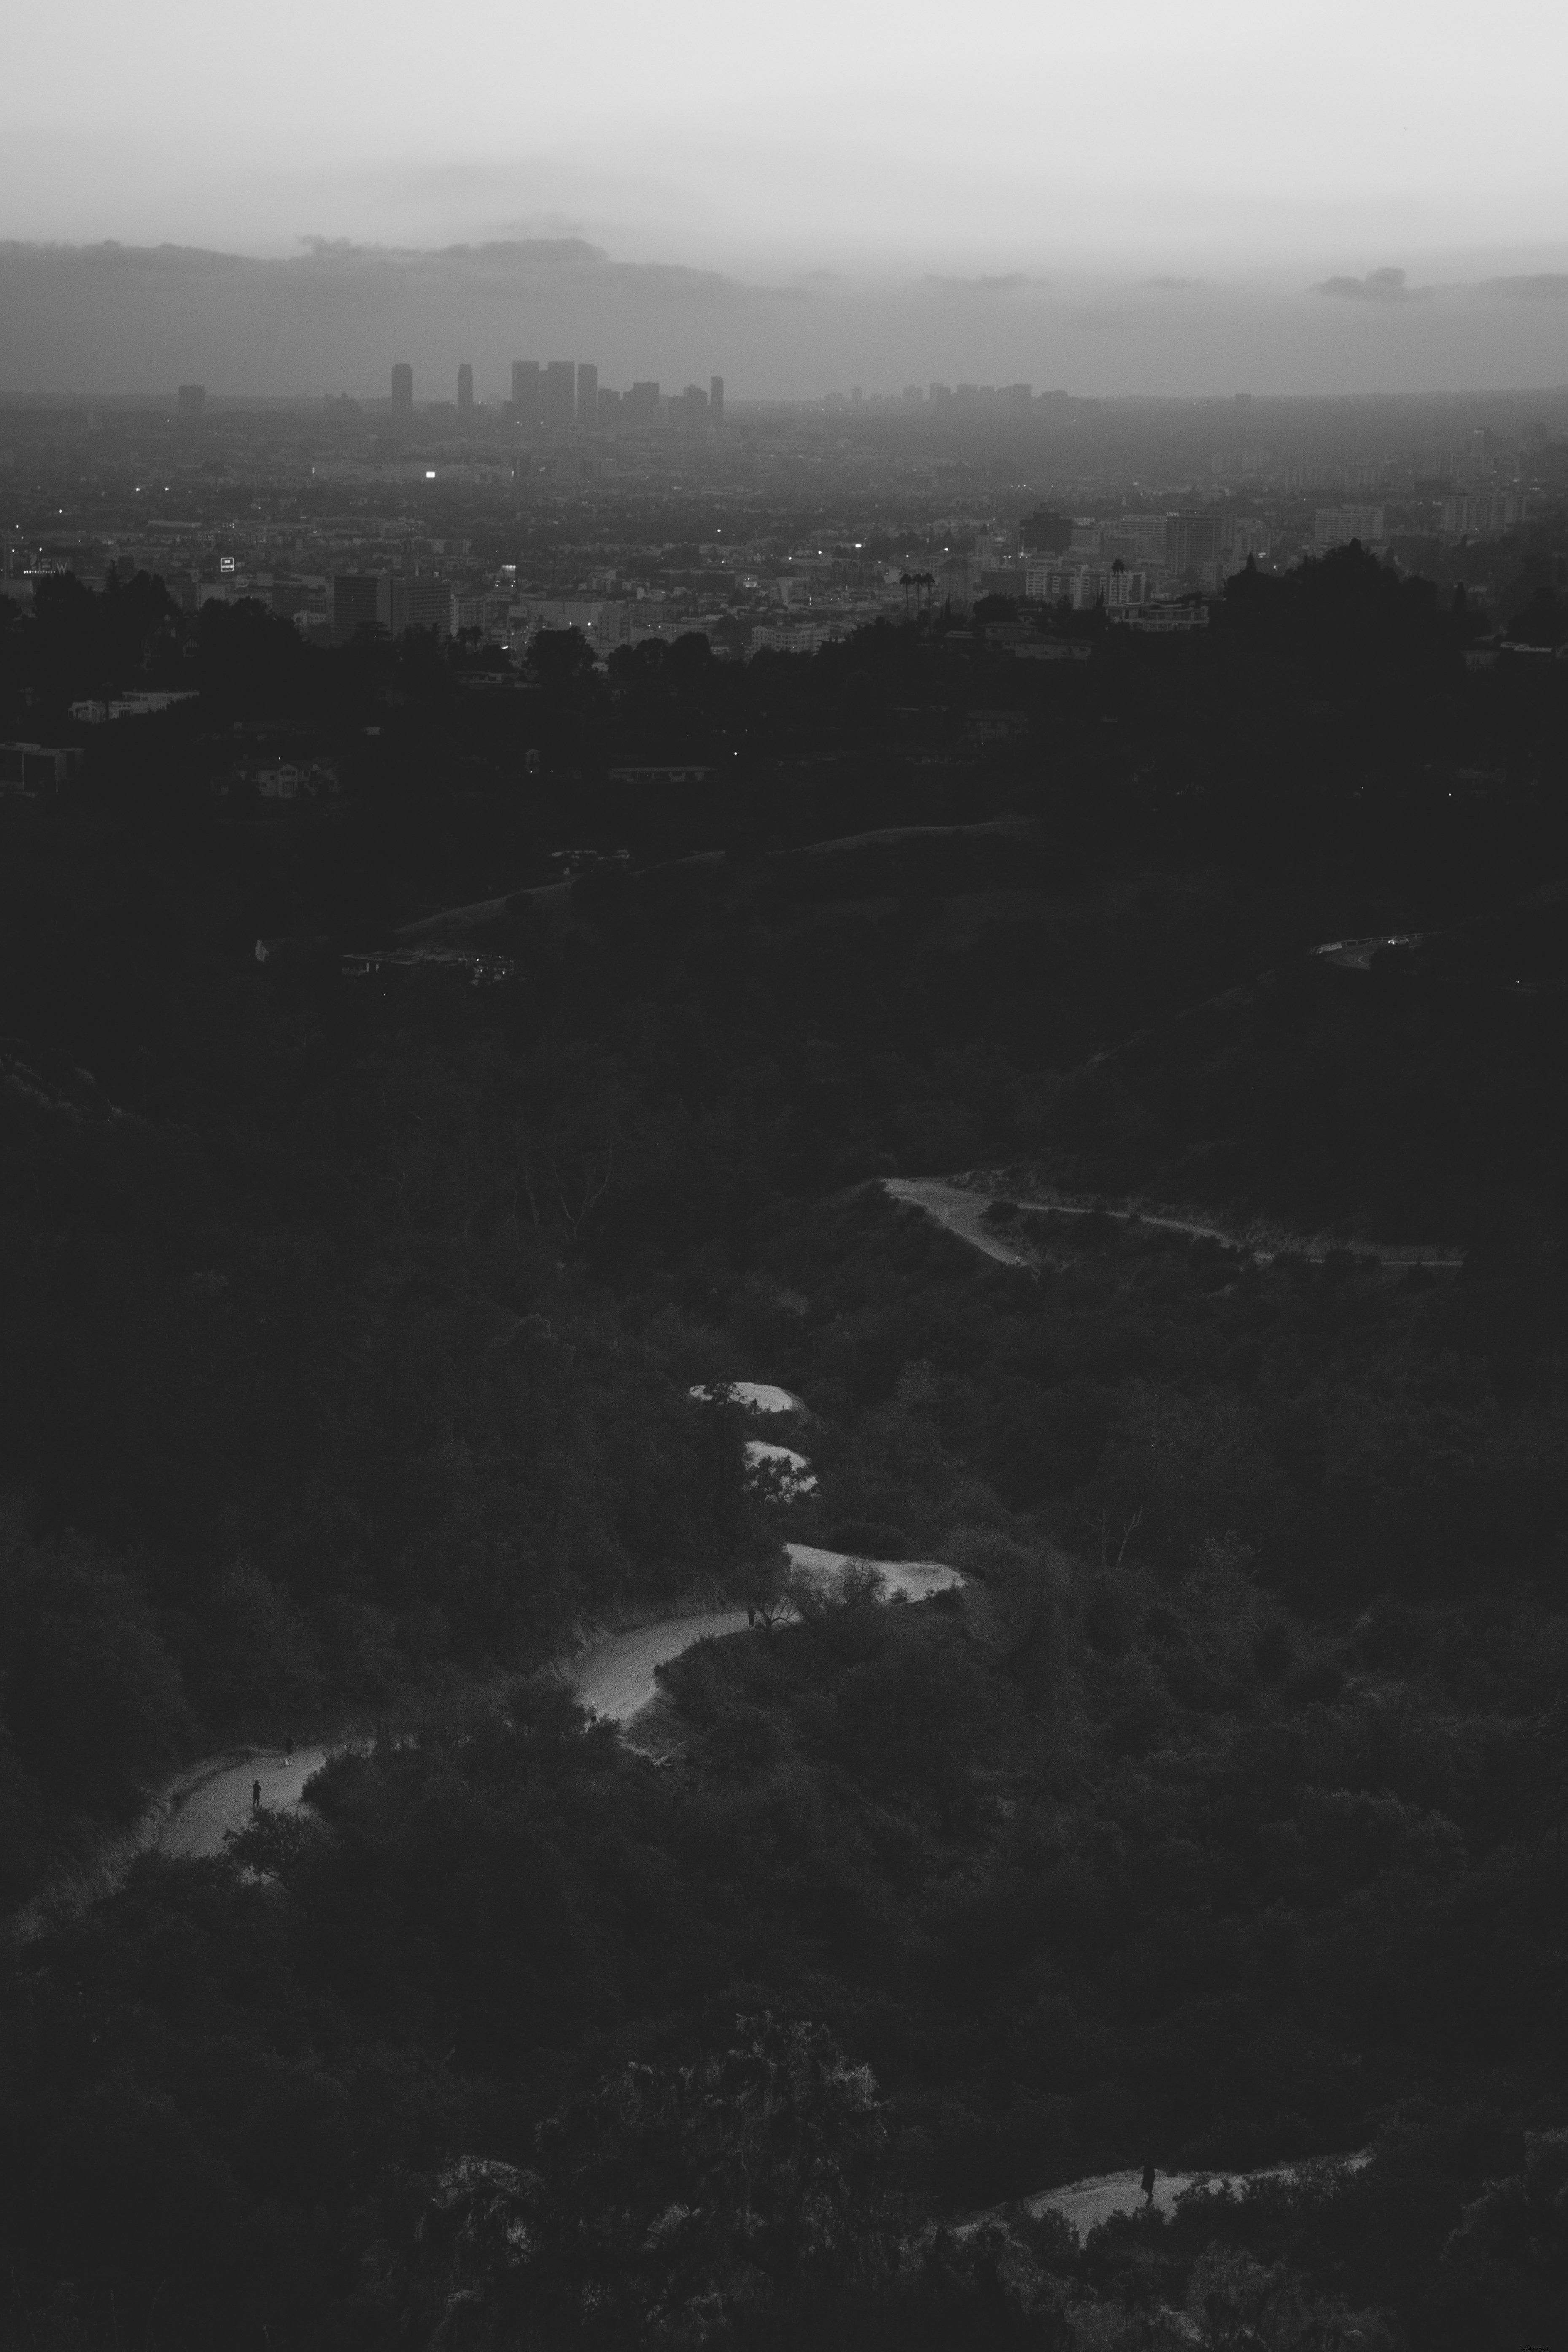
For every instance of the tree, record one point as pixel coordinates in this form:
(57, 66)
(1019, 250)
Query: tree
(560, 660)
(742, 2197)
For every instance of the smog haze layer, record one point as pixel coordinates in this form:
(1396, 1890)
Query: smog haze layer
(1310, 198)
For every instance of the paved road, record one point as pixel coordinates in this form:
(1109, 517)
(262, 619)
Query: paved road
(215, 1796)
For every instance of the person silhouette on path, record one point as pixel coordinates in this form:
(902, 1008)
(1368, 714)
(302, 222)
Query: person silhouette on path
(256, 1796)
(1149, 2183)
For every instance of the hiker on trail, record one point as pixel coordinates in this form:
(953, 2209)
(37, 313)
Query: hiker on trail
(751, 1615)
(1149, 2182)
(256, 1796)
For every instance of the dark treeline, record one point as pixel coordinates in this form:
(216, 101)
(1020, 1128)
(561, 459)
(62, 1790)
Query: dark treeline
(349, 1326)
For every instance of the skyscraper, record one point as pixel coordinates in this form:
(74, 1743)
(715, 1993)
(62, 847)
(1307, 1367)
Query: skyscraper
(716, 400)
(587, 392)
(560, 391)
(465, 390)
(526, 407)
(402, 391)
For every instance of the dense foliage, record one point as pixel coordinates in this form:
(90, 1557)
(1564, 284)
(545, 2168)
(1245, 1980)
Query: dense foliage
(351, 1329)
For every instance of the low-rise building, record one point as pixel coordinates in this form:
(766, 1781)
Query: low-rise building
(38, 767)
(132, 705)
(995, 725)
(790, 637)
(672, 771)
(1158, 619)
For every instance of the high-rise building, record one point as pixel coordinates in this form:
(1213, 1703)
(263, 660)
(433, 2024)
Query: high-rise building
(716, 400)
(1337, 526)
(607, 405)
(1192, 540)
(465, 390)
(587, 392)
(643, 403)
(420, 604)
(527, 406)
(1048, 533)
(693, 406)
(193, 399)
(558, 392)
(360, 600)
(402, 391)
(1137, 539)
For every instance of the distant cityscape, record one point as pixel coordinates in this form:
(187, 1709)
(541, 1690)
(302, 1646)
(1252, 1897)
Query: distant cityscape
(552, 395)
(636, 514)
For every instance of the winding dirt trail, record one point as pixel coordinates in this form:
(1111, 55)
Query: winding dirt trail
(618, 1677)
(1084, 2203)
(960, 1207)
(216, 1795)
(614, 1680)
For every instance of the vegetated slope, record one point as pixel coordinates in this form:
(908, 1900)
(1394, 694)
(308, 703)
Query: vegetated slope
(1413, 1101)
(350, 1321)
(1216, 1833)
(350, 1332)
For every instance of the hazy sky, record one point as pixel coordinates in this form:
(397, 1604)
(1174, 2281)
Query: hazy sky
(1261, 149)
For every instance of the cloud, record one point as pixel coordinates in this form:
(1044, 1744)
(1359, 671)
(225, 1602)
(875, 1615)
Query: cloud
(1547, 285)
(1377, 286)
(1013, 282)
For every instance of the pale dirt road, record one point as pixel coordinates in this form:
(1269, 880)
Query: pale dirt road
(617, 1679)
(216, 1797)
(759, 1396)
(961, 1212)
(1085, 2203)
(911, 1577)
